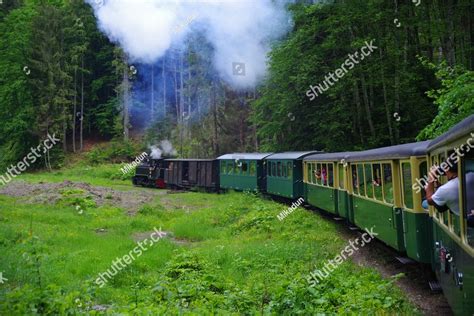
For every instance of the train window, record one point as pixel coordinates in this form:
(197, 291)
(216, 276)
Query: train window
(290, 170)
(317, 174)
(223, 166)
(244, 167)
(283, 169)
(361, 178)
(278, 169)
(387, 183)
(312, 172)
(355, 180)
(330, 175)
(423, 175)
(340, 173)
(236, 168)
(229, 167)
(273, 169)
(407, 185)
(308, 172)
(468, 194)
(377, 183)
(369, 185)
(442, 179)
(253, 168)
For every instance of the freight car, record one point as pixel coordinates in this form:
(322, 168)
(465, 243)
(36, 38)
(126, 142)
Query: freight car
(192, 173)
(380, 188)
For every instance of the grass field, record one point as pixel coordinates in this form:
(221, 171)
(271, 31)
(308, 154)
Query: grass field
(223, 254)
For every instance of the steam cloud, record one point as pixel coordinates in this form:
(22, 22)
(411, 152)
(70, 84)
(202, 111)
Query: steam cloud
(164, 149)
(241, 31)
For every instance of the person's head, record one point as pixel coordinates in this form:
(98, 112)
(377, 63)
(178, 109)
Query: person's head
(450, 169)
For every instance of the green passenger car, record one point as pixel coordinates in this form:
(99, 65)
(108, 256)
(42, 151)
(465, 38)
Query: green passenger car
(325, 183)
(453, 246)
(284, 174)
(243, 171)
(383, 196)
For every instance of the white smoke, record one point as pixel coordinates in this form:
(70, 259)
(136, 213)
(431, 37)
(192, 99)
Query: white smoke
(241, 31)
(165, 148)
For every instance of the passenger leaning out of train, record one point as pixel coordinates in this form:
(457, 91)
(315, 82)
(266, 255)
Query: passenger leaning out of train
(446, 196)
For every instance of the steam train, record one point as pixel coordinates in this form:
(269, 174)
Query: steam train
(374, 188)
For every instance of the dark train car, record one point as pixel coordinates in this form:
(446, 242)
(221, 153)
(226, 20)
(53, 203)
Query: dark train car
(191, 173)
(453, 230)
(150, 173)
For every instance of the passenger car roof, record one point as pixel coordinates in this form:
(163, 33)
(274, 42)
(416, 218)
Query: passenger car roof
(292, 155)
(459, 130)
(328, 156)
(246, 156)
(391, 152)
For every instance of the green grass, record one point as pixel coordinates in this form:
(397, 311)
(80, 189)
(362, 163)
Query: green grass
(228, 254)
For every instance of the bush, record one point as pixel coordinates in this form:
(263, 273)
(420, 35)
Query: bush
(115, 151)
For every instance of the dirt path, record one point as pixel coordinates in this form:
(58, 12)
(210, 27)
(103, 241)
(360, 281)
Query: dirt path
(50, 193)
(415, 282)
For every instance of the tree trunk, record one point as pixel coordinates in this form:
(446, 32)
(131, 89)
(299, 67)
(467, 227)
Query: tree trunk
(74, 113)
(126, 102)
(368, 112)
(214, 114)
(152, 92)
(387, 107)
(176, 100)
(358, 112)
(82, 106)
(163, 74)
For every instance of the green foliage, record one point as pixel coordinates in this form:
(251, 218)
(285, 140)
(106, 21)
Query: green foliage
(115, 151)
(237, 259)
(359, 110)
(53, 57)
(455, 100)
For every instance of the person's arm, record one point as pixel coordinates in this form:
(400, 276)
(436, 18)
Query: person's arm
(432, 197)
(429, 188)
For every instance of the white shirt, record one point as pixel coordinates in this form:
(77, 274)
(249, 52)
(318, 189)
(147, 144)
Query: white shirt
(448, 194)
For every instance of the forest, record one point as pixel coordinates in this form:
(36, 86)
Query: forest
(61, 74)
